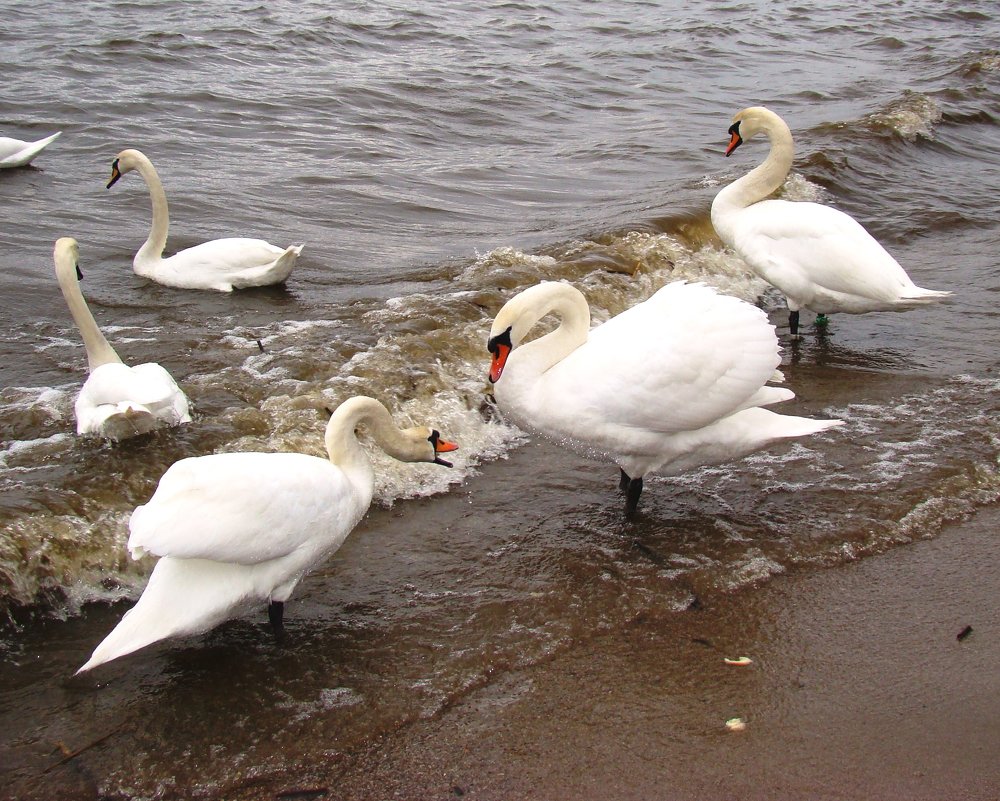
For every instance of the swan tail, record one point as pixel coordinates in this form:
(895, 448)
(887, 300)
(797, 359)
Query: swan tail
(804, 426)
(131, 634)
(118, 421)
(760, 427)
(918, 296)
(286, 261)
(183, 597)
(24, 156)
(276, 272)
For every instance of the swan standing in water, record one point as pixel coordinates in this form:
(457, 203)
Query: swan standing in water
(819, 257)
(233, 529)
(117, 401)
(669, 385)
(222, 264)
(17, 153)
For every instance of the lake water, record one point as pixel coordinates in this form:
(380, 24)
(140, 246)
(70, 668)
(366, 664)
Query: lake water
(434, 159)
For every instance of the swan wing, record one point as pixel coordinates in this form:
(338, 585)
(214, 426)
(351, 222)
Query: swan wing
(244, 508)
(164, 399)
(679, 361)
(802, 248)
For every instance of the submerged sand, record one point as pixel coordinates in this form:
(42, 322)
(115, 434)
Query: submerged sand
(861, 687)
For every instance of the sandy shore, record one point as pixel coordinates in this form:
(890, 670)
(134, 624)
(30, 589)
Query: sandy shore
(860, 688)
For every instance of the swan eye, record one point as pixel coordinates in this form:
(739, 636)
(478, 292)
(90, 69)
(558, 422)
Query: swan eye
(500, 339)
(79, 273)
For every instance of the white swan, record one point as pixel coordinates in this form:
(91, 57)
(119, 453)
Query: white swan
(116, 401)
(234, 529)
(819, 257)
(222, 264)
(17, 153)
(666, 386)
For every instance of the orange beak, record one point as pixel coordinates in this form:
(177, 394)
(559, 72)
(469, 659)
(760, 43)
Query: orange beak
(443, 446)
(734, 143)
(499, 360)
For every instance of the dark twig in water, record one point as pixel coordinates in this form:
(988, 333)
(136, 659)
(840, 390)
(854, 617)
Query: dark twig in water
(260, 345)
(304, 792)
(74, 754)
(964, 633)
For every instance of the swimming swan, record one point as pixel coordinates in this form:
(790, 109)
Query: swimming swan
(17, 153)
(819, 257)
(233, 529)
(116, 401)
(222, 264)
(666, 386)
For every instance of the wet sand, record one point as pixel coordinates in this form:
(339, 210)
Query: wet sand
(860, 688)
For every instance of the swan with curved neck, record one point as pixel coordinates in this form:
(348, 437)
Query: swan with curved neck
(820, 258)
(221, 264)
(18, 153)
(116, 401)
(234, 529)
(671, 384)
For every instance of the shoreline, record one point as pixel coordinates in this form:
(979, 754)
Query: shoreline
(859, 689)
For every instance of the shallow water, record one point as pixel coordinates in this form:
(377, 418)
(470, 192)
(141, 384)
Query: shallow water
(434, 160)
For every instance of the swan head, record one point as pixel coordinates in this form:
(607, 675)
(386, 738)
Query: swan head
(749, 122)
(124, 162)
(67, 251)
(419, 444)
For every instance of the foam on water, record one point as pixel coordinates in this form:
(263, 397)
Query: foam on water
(910, 116)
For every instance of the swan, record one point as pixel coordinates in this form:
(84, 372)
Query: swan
(233, 529)
(17, 153)
(666, 386)
(819, 257)
(116, 401)
(222, 264)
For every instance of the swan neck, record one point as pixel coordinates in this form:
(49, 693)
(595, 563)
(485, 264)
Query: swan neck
(766, 177)
(574, 325)
(99, 350)
(343, 446)
(157, 239)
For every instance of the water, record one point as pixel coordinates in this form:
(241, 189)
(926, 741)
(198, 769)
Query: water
(435, 159)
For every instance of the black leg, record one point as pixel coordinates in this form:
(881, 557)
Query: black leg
(632, 493)
(276, 614)
(793, 323)
(623, 481)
